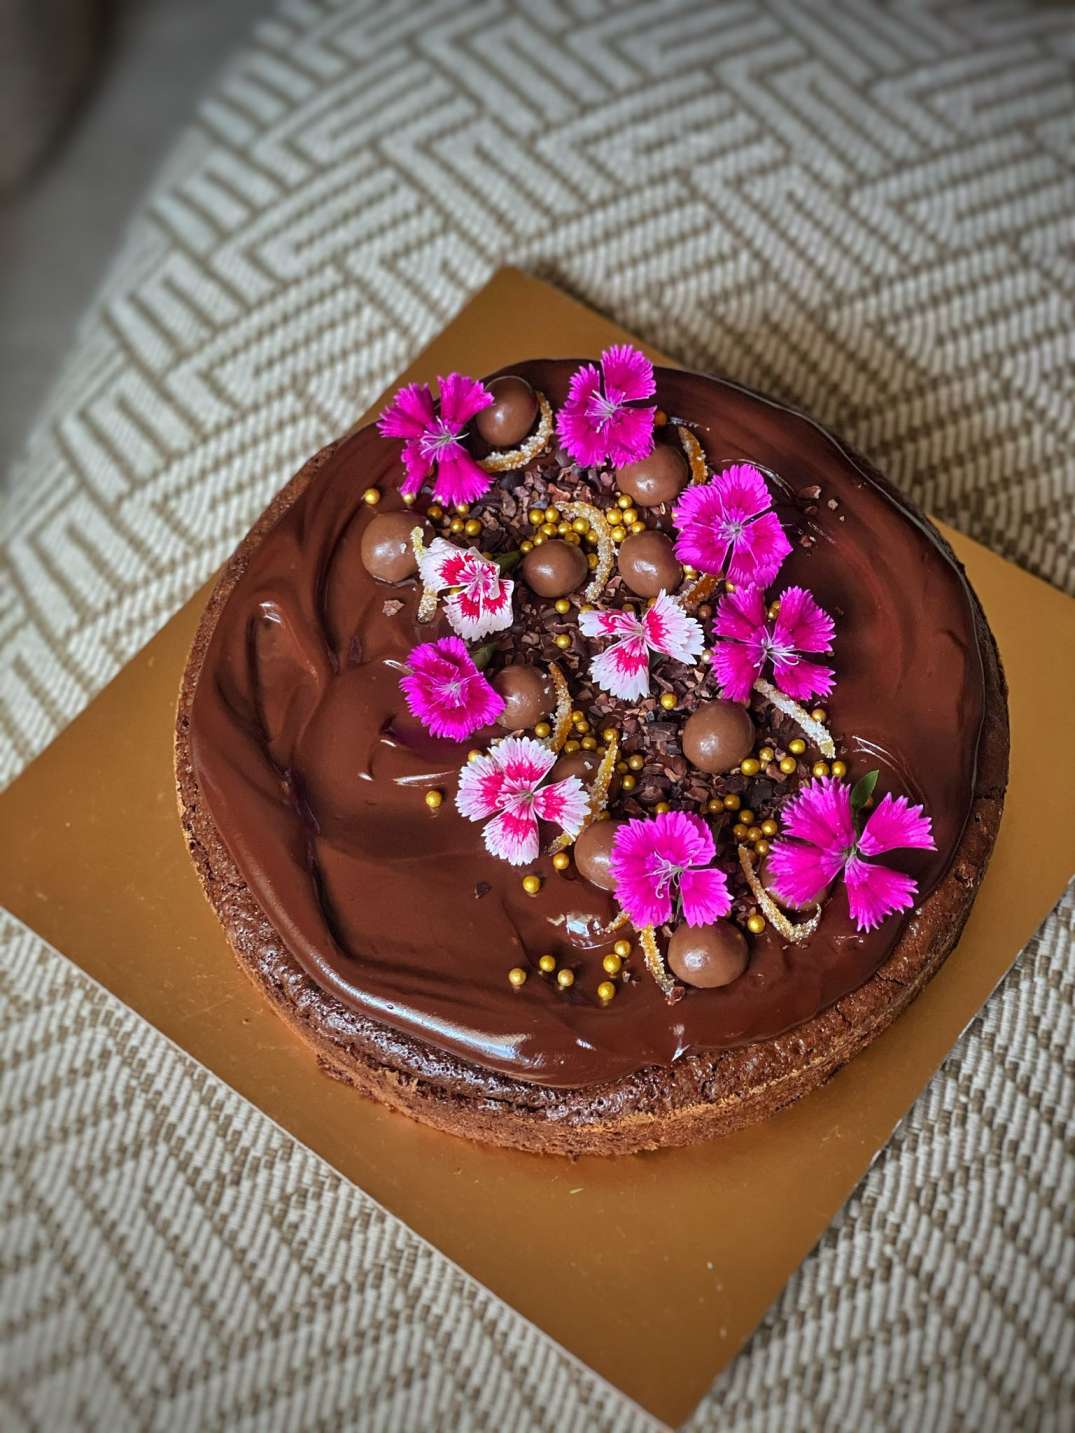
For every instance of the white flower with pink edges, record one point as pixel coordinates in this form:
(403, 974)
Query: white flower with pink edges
(504, 789)
(664, 628)
(482, 603)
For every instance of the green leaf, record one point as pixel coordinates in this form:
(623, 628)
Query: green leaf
(506, 560)
(483, 655)
(863, 789)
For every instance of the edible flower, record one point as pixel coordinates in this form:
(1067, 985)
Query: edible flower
(661, 867)
(753, 641)
(482, 603)
(727, 526)
(433, 440)
(597, 425)
(446, 692)
(623, 668)
(825, 842)
(505, 784)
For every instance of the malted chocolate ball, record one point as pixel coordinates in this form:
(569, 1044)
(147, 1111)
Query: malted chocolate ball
(660, 478)
(511, 415)
(554, 569)
(718, 736)
(527, 696)
(648, 564)
(386, 545)
(708, 956)
(592, 851)
(582, 764)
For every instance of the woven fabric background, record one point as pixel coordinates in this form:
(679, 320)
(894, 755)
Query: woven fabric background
(868, 210)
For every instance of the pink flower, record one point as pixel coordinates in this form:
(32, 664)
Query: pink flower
(483, 602)
(623, 668)
(753, 639)
(657, 863)
(596, 425)
(728, 521)
(505, 784)
(432, 441)
(821, 821)
(446, 692)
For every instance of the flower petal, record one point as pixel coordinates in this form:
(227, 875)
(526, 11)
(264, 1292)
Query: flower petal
(821, 814)
(460, 398)
(895, 823)
(513, 836)
(628, 374)
(876, 892)
(580, 438)
(459, 479)
(623, 669)
(702, 541)
(741, 615)
(474, 615)
(743, 492)
(409, 414)
(704, 895)
(481, 783)
(524, 760)
(669, 630)
(564, 802)
(759, 553)
(801, 623)
(802, 679)
(639, 889)
(681, 838)
(798, 874)
(416, 466)
(629, 436)
(612, 623)
(445, 691)
(735, 668)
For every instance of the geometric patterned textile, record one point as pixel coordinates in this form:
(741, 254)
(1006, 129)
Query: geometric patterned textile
(866, 210)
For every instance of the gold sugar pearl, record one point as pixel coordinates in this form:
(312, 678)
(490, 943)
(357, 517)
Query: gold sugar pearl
(434, 800)
(629, 782)
(820, 714)
(517, 976)
(774, 610)
(621, 767)
(562, 605)
(750, 767)
(473, 754)
(542, 730)
(539, 538)
(589, 743)
(561, 861)
(637, 527)
(762, 848)
(618, 534)
(456, 525)
(462, 509)
(622, 948)
(839, 768)
(755, 924)
(472, 527)
(668, 701)
(731, 803)
(591, 560)
(609, 734)
(612, 964)
(572, 745)
(636, 762)
(788, 765)
(739, 831)
(754, 835)
(746, 816)
(769, 828)
(606, 991)
(531, 885)
(371, 497)
(729, 586)
(552, 514)
(408, 499)
(546, 964)
(797, 746)
(435, 511)
(526, 545)
(573, 539)
(820, 768)
(562, 640)
(536, 516)
(766, 755)
(662, 807)
(630, 515)
(623, 501)
(714, 804)
(565, 979)
(582, 726)
(581, 525)
(549, 530)
(689, 572)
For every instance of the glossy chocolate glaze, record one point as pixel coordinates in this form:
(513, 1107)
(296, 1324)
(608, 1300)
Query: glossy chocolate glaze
(314, 773)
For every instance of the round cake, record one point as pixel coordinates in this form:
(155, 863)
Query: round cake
(591, 758)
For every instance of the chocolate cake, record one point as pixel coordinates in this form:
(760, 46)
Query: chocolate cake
(592, 758)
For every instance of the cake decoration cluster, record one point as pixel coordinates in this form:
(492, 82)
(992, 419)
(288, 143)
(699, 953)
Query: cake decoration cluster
(641, 690)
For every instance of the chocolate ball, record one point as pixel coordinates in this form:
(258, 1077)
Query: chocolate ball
(660, 478)
(718, 736)
(527, 696)
(707, 956)
(648, 564)
(592, 851)
(511, 414)
(582, 764)
(554, 569)
(386, 548)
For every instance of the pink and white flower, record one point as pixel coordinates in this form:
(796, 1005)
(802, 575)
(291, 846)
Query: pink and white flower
(623, 668)
(482, 602)
(597, 424)
(753, 640)
(726, 526)
(504, 789)
(660, 866)
(824, 844)
(445, 691)
(433, 437)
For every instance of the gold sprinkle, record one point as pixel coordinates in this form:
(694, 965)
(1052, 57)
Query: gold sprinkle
(565, 979)
(562, 640)
(750, 767)
(608, 734)
(562, 605)
(606, 991)
(636, 762)
(820, 768)
(629, 782)
(526, 545)
(434, 800)
(746, 816)
(462, 509)
(766, 755)
(714, 804)
(542, 730)
(612, 964)
(472, 527)
(622, 948)
(580, 525)
(517, 976)
(762, 848)
(662, 807)
(572, 745)
(618, 534)
(408, 499)
(547, 964)
(788, 765)
(797, 746)
(589, 743)
(668, 701)
(473, 754)
(739, 831)
(731, 803)
(456, 525)
(552, 514)
(435, 511)
(536, 516)
(623, 501)
(531, 885)
(561, 861)
(371, 497)
(819, 714)
(839, 768)
(755, 924)
(769, 828)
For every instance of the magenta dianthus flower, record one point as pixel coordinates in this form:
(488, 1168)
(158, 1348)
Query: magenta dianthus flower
(660, 866)
(726, 526)
(753, 640)
(446, 692)
(504, 789)
(433, 437)
(825, 843)
(597, 425)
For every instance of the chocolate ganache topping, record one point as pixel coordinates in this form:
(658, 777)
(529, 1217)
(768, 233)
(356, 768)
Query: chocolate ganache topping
(315, 772)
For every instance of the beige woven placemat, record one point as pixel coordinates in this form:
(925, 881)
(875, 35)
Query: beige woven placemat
(866, 210)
